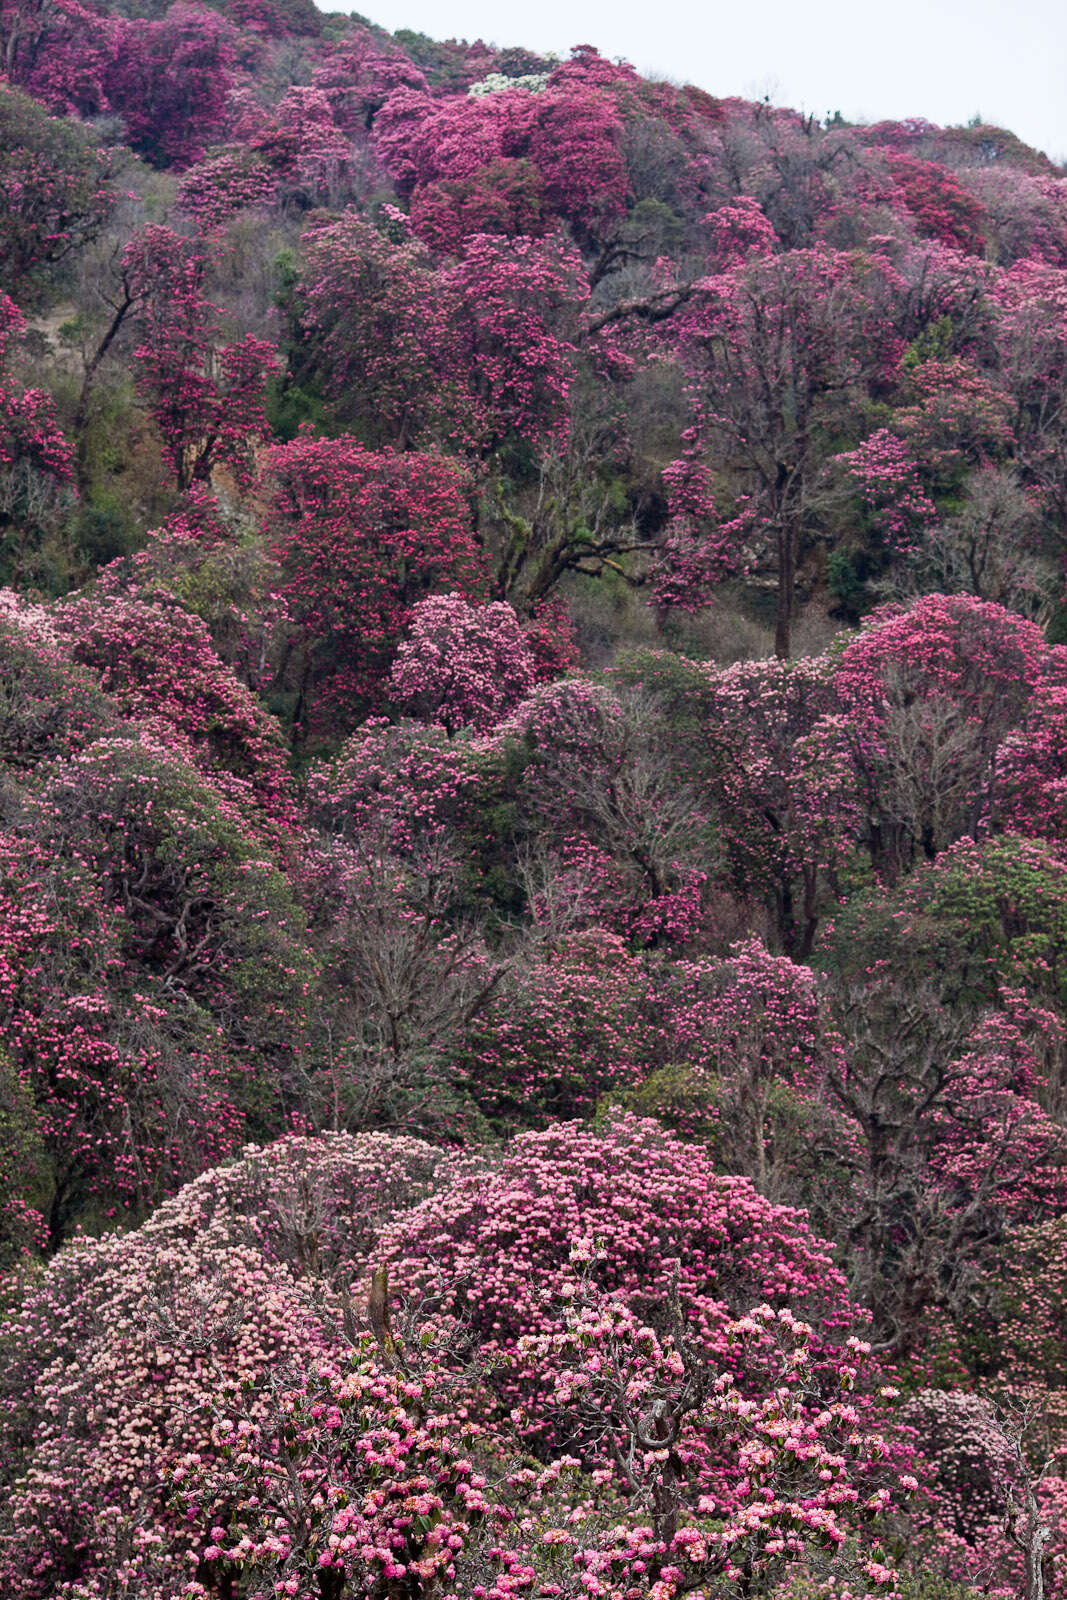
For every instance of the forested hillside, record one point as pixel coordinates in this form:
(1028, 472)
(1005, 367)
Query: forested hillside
(533, 828)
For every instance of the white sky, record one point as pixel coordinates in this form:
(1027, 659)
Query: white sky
(942, 59)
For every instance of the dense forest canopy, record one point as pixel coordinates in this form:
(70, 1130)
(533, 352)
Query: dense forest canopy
(533, 828)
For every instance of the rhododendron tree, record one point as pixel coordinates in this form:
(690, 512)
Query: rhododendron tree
(462, 665)
(980, 919)
(405, 781)
(941, 206)
(748, 1044)
(1033, 338)
(778, 351)
(202, 908)
(952, 1141)
(48, 707)
(358, 77)
(886, 478)
(465, 355)
(36, 461)
(781, 786)
(118, 1111)
(569, 1026)
(195, 557)
(376, 323)
(504, 197)
(225, 182)
(55, 188)
(169, 77)
(931, 690)
(570, 134)
(362, 536)
(237, 1278)
(629, 839)
(994, 1463)
(59, 54)
(495, 1239)
(958, 417)
(205, 397)
(158, 665)
(666, 1413)
(515, 323)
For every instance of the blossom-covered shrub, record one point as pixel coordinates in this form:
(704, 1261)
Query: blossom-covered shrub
(126, 1345)
(360, 537)
(496, 1240)
(462, 665)
(159, 666)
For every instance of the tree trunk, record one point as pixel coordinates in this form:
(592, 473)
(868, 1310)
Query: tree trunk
(787, 563)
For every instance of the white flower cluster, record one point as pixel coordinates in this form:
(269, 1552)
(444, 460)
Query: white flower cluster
(496, 83)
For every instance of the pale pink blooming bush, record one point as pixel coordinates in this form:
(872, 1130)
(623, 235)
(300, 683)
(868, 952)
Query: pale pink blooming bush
(125, 1345)
(462, 665)
(499, 1239)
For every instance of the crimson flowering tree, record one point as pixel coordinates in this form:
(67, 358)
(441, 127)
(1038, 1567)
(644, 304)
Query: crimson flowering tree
(353, 1480)
(738, 231)
(781, 786)
(747, 1045)
(628, 841)
(55, 189)
(358, 76)
(405, 781)
(569, 1026)
(576, 147)
(360, 537)
(490, 1244)
(1025, 214)
(886, 478)
(569, 133)
(698, 550)
(958, 417)
(506, 196)
(303, 145)
(376, 326)
(930, 693)
(1032, 335)
(169, 79)
(194, 558)
(48, 707)
(205, 397)
(938, 202)
(30, 429)
(159, 666)
(1030, 777)
(121, 1112)
(515, 322)
(58, 53)
(225, 182)
(468, 355)
(206, 915)
(997, 1464)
